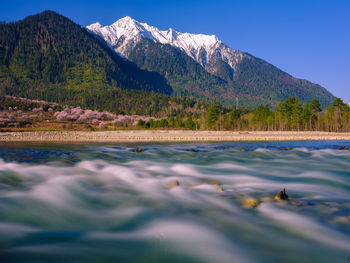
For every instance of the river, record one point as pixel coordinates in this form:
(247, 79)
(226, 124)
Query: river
(201, 202)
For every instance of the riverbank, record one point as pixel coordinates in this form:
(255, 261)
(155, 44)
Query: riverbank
(165, 136)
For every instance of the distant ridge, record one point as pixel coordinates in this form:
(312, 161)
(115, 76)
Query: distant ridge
(240, 74)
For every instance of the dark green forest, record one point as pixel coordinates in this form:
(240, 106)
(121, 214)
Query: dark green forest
(290, 115)
(186, 76)
(263, 83)
(49, 57)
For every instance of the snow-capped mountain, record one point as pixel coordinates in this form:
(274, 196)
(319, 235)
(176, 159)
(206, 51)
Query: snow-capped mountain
(202, 67)
(125, 33)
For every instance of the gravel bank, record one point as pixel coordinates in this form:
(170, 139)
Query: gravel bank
(165, 136)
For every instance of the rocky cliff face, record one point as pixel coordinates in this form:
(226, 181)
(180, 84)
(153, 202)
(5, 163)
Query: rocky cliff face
(208, 51)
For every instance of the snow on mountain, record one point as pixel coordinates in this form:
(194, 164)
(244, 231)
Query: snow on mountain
(125, 33)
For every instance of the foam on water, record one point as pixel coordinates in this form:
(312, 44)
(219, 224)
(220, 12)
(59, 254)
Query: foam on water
(185, 236)
(114, 204)
(306, 227)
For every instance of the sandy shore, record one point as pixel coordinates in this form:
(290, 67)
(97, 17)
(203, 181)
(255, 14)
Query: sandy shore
(165, 136)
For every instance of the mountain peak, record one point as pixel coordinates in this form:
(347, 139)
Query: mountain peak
(126, 18)
(95, 25)
(131, 31)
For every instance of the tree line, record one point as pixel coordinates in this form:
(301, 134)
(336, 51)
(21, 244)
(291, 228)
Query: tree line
(182, 113)
(290, 115)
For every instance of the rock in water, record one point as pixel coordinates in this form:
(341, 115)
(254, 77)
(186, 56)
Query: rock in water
(248, 203)
(342, 147)
(285, 148)
(139, 150)
(282, 195)
(215, 183)
(173, 184)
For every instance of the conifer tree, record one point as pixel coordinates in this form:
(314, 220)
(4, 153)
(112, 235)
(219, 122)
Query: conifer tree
(212, 116)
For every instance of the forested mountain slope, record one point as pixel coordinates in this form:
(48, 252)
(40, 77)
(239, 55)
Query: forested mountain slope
(47, 56)
(183, 59)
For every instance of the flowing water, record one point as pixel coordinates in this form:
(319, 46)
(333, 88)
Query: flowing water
(175, 202)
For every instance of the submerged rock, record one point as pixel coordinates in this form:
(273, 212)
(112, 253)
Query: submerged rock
(341, 220)
(193, 150)
(173, 184)
(298, 203)
(214, 183)
(285, 148)
(138, 150)
(266, 199)
(282, 195)
(342, 147)
(249, 203)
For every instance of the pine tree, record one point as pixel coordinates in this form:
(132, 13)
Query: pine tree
(315, 106)
(212, 116)
(306, 116)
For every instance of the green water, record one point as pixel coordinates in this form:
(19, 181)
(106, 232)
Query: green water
(114, 203)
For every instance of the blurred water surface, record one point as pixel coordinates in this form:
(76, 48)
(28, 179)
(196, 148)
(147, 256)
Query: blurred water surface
(175, 202)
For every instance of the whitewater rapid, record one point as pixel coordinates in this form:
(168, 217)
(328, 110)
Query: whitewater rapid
(102, 203)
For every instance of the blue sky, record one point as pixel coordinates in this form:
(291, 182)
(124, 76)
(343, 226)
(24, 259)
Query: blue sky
(309, 39)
